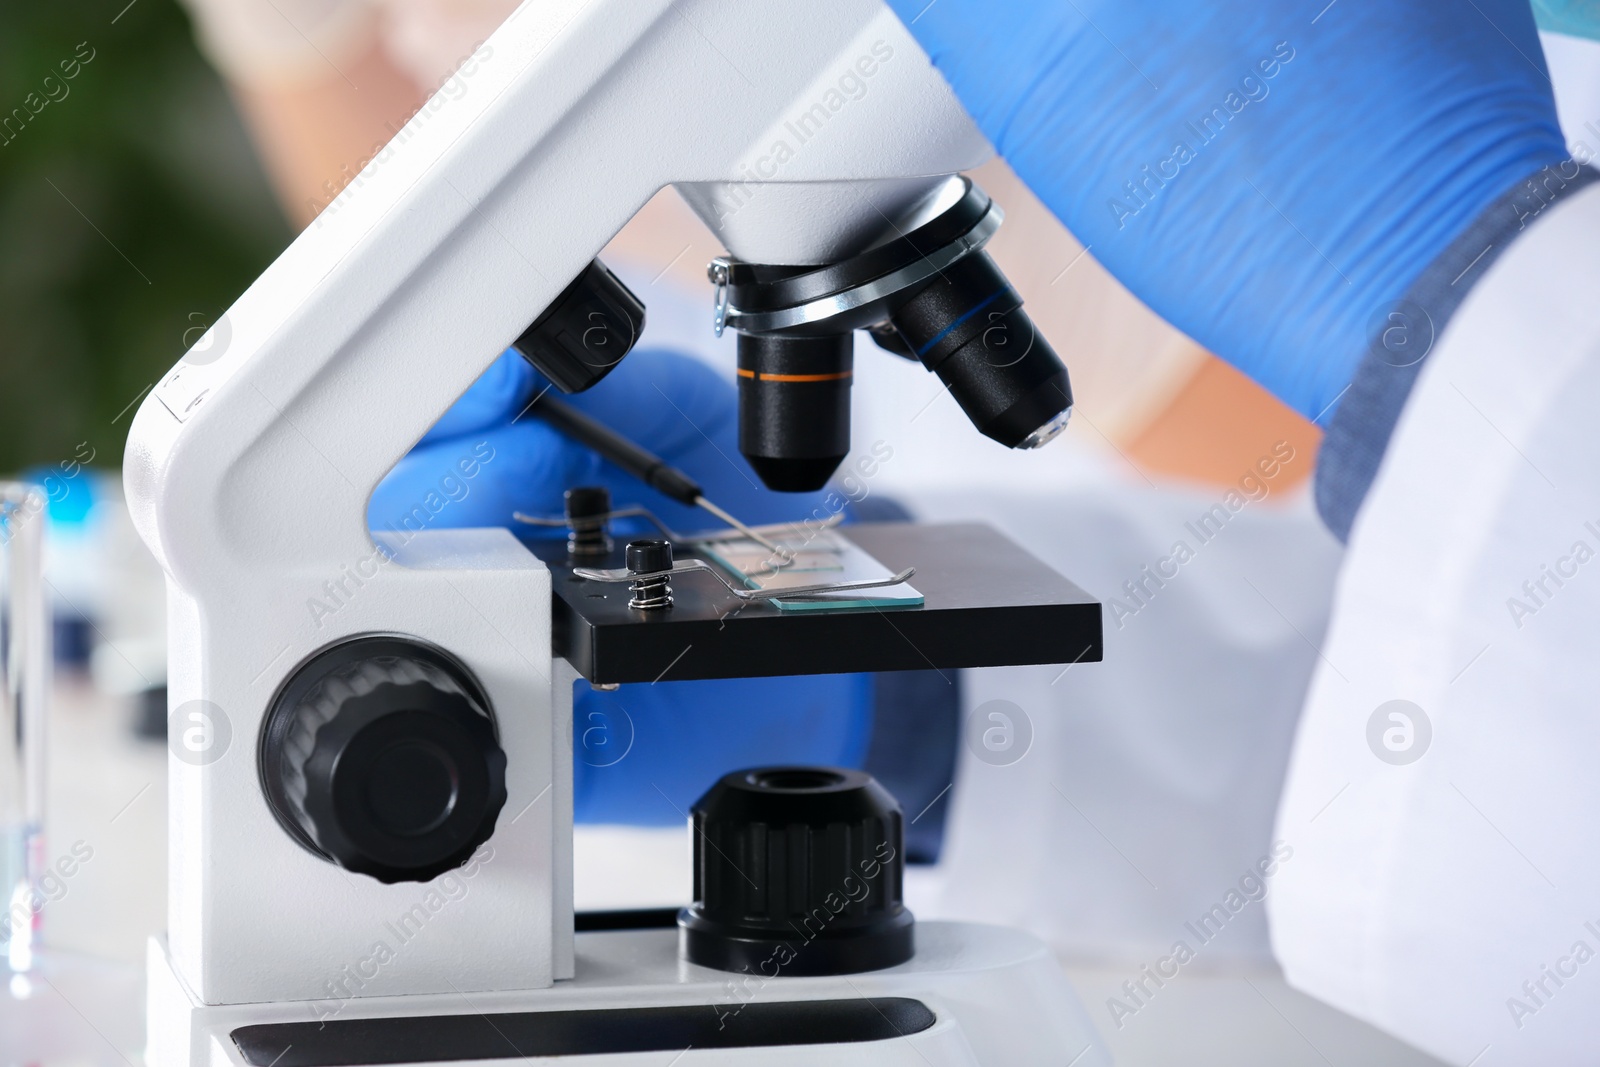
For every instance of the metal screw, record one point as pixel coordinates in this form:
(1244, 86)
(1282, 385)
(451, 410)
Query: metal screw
(719, 271)
(645, 557)
(587, 507)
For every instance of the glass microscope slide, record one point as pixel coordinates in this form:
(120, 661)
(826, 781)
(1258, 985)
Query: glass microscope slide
(819, 557)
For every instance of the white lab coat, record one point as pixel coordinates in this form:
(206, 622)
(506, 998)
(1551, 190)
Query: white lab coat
(1149, 788)
(1455, 900)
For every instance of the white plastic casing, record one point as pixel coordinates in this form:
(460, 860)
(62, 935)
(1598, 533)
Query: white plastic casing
(249, 467)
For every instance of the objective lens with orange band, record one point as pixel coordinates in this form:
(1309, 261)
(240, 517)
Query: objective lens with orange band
(794, 407)
(743, 373)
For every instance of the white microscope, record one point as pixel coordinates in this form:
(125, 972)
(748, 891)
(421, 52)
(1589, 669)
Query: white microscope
(372, 861)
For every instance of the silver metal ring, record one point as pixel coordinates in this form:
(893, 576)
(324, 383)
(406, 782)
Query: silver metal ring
(865, 295)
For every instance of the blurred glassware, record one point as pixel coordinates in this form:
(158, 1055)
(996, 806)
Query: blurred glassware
(25, 667)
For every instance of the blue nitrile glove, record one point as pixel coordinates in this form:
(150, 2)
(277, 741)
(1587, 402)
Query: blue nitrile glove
(644, 753)
(1269, 176)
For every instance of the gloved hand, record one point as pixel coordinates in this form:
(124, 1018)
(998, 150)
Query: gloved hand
(1268, 176)
(644, 753)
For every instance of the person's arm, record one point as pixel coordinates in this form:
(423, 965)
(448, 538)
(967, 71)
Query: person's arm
(316, 133)
(1271, 179)
(315, 84)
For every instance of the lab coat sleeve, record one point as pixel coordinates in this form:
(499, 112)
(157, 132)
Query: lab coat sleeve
(1402, 334)
(1446, 882)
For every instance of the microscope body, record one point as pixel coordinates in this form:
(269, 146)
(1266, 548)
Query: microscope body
(797, 131)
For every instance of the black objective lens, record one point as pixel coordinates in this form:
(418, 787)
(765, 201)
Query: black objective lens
(794, 407)
(968, 327)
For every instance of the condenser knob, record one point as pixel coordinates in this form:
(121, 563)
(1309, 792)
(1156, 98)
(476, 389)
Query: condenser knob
(381, 755)
(797, 871)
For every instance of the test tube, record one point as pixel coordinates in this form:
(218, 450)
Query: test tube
(24, 689)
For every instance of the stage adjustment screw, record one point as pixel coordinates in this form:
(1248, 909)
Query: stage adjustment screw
(650, 557)
(587, 508)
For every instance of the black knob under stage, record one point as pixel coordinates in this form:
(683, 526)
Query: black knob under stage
(797, 871)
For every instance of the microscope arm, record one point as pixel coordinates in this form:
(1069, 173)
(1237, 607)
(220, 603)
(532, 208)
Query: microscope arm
(249, 467)
(325, 372)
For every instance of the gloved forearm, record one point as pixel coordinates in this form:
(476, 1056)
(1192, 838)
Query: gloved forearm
(643, 754)
(1271, 177)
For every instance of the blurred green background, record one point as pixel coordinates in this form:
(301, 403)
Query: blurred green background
(132, 212)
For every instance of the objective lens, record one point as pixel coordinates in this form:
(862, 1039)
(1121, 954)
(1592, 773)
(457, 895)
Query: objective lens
(794, 407)
(968, 327)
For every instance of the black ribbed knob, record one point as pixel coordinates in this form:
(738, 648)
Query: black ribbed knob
(587, 508)
(585, 331)
(647, 555)
(797, 871)
(380, 755)
(587, 502)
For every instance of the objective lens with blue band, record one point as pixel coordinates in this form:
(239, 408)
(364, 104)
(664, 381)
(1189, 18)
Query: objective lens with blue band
(968, 327)
(931, 294)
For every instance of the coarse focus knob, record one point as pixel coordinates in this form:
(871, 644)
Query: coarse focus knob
(380, 754)
(797, 871)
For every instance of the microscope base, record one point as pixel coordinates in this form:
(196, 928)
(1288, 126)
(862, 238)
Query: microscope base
(972, 995)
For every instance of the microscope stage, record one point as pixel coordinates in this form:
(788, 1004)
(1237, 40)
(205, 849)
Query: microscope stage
(987, 603)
